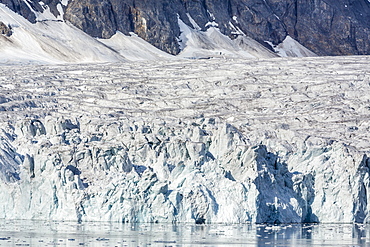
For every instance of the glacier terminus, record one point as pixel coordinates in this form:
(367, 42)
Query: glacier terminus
(275, 140)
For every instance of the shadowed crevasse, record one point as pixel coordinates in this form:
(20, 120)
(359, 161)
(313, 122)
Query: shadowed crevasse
(277, 188)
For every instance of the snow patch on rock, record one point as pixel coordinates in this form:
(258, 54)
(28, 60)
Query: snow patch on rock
(195, 43)
(291, 48)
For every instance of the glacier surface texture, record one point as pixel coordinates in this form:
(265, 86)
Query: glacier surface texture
(276, 140)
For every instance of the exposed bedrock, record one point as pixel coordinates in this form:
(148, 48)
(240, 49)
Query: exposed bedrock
(325, 27)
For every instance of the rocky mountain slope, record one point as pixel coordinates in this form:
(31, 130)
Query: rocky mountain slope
(326, 27)
(51, 39)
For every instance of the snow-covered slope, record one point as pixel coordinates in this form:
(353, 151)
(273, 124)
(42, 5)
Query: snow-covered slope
(195, 43)
(291, 48)
(134, 48)
(52, 40)
(274, 140)
(49, 41)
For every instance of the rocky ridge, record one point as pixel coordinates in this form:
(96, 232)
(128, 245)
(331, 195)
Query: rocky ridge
(5, 30)
(325, 27)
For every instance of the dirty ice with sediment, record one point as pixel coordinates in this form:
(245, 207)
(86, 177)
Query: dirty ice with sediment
(150, 137)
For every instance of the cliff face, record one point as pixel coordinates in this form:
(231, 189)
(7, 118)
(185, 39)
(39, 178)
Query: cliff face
(154, 21)
(326, 27)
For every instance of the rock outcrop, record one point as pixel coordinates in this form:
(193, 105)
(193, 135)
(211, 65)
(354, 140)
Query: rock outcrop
(23, 8)
(5, 30)
(325, 27)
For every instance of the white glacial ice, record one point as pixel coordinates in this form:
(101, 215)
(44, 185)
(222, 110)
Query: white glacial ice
(205, 141)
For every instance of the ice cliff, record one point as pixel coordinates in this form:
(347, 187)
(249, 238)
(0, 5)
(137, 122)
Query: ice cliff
(175, 142)
(203, 171)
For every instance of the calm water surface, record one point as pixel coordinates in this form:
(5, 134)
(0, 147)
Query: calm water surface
(40, 233)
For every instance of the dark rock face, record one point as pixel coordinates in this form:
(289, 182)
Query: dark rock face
(21, 8)
(154, 21)
(52, 4)
(93, 16)
(5, 30)
(327, 27)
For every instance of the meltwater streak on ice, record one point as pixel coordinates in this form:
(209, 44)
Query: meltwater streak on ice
(50, 233)
(217, 141)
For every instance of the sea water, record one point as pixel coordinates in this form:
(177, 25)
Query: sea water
(51, 233)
